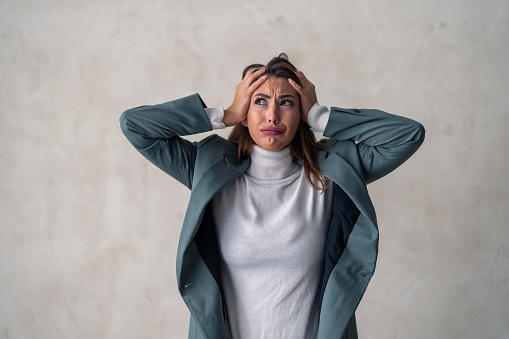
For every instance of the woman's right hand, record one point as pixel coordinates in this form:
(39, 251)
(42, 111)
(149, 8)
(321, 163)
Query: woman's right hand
(237, 112)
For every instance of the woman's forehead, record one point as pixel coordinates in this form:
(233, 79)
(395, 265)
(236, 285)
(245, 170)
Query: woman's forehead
(277, 86)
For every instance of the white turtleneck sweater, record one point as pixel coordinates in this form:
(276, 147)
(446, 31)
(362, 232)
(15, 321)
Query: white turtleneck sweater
(272, 227)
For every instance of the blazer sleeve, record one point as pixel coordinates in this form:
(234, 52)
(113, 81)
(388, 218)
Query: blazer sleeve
(155, 131)
(384, 141)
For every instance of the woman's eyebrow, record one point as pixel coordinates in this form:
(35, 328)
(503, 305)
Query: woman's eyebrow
(279, 97)
(262, 95)
(286, 96)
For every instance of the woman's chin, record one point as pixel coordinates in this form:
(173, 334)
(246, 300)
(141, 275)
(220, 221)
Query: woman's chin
(271, 142)
(274, 147)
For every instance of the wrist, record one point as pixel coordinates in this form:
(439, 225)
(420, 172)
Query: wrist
(231, 117)
(318, 117)
(306, 110)
(215, 115)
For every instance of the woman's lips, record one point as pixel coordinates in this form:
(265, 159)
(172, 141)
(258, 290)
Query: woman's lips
(272, 131)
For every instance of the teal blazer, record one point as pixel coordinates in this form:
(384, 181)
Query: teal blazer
(365, 145)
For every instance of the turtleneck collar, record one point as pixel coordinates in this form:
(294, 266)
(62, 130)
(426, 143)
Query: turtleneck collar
(271, 165)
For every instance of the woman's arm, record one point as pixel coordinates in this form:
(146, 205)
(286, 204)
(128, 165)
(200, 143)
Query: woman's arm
(384, 141)
(155, 132)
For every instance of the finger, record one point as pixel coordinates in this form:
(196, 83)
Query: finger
(302, 77)
(254, 78)
(295, 85)
(257, 83)
(257, 72)
(248, 79)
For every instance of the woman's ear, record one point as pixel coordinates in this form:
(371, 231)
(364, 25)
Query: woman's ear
(244, 123)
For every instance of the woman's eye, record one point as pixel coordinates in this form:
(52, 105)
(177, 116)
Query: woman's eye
(286, 103)
(260, 102)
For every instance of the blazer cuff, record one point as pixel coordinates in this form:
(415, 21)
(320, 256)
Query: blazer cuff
(215, 115)
(318, 117)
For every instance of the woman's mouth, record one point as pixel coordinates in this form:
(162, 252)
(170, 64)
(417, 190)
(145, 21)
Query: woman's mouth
(272, 131)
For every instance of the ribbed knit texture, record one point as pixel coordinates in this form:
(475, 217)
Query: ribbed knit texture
(271, 227)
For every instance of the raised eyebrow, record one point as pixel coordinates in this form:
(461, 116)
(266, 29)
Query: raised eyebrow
(279, 97)
(286, 96)
(262, 95)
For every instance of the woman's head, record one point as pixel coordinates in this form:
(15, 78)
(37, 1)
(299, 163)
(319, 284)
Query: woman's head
(274, 118)
(274, 110)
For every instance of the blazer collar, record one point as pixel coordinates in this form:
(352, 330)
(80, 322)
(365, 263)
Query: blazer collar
(240, 166)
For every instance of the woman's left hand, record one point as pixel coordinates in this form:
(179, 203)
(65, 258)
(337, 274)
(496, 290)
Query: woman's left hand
(307, 94)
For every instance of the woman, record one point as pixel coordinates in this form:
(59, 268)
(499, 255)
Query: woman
(280, 236)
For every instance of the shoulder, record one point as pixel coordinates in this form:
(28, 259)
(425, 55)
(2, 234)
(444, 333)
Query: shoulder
(216, 144)
(215, 147)
(214, 152)
(344, 148)
(344, 151)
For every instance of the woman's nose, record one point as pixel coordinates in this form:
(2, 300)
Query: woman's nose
(273, 114)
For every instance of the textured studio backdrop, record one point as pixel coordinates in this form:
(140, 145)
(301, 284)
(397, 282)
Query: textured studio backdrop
(89, 229)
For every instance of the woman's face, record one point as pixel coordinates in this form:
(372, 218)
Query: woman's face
(274, 114)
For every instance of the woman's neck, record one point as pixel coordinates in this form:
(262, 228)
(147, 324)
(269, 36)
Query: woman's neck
(271, 165)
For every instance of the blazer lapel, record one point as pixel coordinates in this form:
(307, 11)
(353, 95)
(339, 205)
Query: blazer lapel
(333, 166)
(213, 180)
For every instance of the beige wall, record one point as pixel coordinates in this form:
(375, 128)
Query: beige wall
(89, 229)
